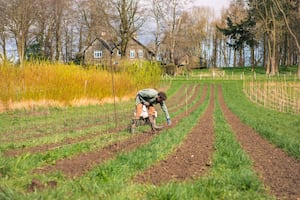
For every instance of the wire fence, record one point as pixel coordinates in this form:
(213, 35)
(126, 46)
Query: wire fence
(281, 93)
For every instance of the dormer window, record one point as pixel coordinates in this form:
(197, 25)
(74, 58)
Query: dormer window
(97, 54)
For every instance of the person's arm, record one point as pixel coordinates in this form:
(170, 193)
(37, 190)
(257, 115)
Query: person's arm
(165, 110)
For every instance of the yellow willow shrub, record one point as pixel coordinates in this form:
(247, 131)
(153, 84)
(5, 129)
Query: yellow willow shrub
(66, 83)
(144, 74)
(56, 82)
(7, 81)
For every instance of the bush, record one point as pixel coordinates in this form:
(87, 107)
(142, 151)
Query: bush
(170, 69)
(65, 83)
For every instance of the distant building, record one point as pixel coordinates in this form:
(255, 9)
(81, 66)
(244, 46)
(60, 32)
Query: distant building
(97, 53)
(101, 52)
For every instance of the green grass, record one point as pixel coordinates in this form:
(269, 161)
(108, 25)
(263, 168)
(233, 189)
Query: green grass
(101, 182)
(236, 73)
(282, 129)
(230, 177)
(248, 70)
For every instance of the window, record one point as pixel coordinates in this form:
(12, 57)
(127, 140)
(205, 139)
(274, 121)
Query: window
(97, 54)
(141, 53)
(132, 54)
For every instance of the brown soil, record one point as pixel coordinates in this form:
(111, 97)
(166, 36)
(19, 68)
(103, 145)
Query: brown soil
(189, 160)
(180, 97)
(279, 172)
(79, 164)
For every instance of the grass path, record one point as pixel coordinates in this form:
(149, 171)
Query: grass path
(280, 172)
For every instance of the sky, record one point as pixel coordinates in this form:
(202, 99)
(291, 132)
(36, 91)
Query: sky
(216, 4)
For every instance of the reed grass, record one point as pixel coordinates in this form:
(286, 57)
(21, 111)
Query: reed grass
(59, 84)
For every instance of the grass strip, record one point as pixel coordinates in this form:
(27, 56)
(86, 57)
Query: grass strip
(281, 129)
(15, 170)
(110, 178)
(231, 175)
(21, 166)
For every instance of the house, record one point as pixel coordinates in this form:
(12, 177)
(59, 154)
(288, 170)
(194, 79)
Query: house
(137, 51)
(191, 62)
(97, 53)
(184, 60)
(102, 53)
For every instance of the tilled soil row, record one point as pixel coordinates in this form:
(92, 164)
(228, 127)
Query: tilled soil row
(180, 100)
(79, 164)
(46, 147)
(22, 135)
(189, 160)
(279, 172)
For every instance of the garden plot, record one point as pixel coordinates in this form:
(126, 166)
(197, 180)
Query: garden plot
(197, 157)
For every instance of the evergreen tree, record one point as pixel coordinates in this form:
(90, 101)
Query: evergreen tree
(241, 34)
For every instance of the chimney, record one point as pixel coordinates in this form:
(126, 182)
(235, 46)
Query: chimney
(134, 35)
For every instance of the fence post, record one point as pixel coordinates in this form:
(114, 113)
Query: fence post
(113, 87)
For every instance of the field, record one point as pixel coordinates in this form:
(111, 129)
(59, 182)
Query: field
(221, 145)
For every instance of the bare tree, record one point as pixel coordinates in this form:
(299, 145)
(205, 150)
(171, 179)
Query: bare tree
(296, 39)
(3, 32)
(267, 13)
(97, 19)
(127, 21)
(20, 16)
(200, 29)
(157, 12)
(173, 10)
(58, 8)
(45, 29)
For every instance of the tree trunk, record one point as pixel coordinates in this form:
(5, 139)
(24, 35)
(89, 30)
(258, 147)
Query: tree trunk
(225, 55)
(285, 49)
(252, 58)
(241, 57)
(265, 53)
(273, 41)
(268, 64)
(273, 55)
(57, 42)
(299, 68)
(4, 49)
(215, 50)
(291, 32)
(234, 58)
(21, 46)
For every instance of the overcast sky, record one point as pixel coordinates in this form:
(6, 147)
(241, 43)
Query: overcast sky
(216, 4)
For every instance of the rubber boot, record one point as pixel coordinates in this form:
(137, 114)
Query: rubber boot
(134, 123)
(154, 127)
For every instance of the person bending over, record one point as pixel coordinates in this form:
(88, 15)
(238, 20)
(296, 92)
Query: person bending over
(150, 97)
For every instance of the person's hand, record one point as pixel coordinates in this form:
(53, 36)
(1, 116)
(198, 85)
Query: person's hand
(169, 121)
(147, 104)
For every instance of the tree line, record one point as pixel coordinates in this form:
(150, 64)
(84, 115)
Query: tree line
(248, 32)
